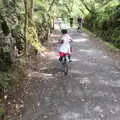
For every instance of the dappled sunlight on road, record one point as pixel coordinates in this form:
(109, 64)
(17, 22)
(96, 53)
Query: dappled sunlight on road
(75, 71)
(92, 52)
(70, 116)
(75, 60)
(105, 57)
(80, 40)
(84, 35)
(36, 74)
(88, 51)
(85, 80)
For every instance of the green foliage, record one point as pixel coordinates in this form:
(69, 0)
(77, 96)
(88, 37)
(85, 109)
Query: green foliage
(105, 22)
(1, 5)
(70, 8)
(9, 79)
(2, 111)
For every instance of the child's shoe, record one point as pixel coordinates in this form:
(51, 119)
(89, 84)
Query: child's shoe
(70, 60)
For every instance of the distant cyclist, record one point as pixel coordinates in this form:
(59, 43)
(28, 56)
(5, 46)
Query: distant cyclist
(71, 22)
(80, 22)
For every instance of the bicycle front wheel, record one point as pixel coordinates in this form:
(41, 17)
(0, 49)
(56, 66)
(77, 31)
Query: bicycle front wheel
(65, 68)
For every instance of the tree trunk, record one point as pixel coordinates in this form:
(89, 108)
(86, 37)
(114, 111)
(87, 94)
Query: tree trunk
(25, 26)
(53, 23)
(30, 11)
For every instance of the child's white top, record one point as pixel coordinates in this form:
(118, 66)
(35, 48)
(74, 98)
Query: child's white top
(65, 46)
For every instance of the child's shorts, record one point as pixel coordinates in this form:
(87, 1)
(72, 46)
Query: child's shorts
(63, 54)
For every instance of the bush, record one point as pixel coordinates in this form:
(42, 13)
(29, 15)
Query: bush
(10, 79)
(105, 24)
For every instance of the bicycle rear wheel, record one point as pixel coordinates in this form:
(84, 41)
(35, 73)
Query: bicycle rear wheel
(65, 67)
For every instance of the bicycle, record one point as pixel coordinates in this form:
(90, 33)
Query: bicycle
(64, 63)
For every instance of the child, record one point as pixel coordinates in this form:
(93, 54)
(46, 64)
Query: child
(65, 47)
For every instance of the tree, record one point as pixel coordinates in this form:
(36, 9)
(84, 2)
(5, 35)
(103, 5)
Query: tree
(25, 25)
(30, 9)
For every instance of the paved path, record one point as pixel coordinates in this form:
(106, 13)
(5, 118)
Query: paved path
(91, 91)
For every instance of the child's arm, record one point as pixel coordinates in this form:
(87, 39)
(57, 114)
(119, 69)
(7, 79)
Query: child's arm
(60, 41)
(70, 39)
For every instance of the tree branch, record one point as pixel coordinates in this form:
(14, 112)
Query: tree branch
(51, 5)
(86, 6)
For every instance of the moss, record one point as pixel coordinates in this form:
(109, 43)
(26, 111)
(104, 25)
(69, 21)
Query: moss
(5, 28)
(33, 37)
(2, 111)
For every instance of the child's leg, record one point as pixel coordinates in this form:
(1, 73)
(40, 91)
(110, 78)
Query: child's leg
(69, 57)
(60, 58)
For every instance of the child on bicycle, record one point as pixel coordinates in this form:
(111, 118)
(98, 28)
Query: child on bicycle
(65, 47)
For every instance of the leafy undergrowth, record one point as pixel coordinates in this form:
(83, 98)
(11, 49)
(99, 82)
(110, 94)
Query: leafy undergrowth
(11, 102)
(112, 47)
(109, 45)
(14, 82)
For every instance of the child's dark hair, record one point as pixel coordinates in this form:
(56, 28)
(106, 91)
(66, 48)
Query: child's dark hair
(64, 31)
